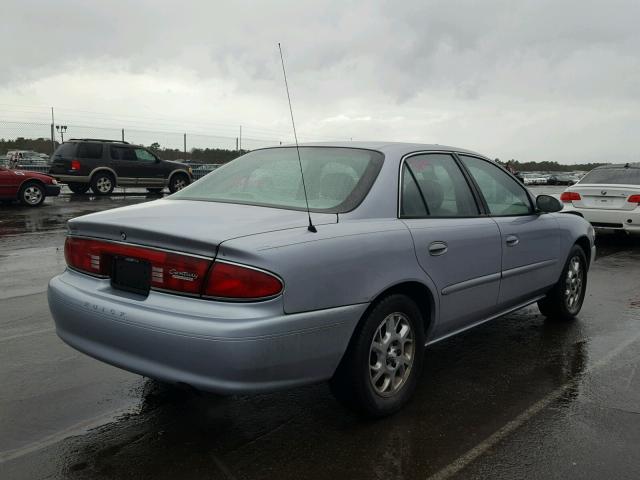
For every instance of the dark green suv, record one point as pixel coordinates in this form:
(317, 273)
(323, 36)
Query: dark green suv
(104, 164)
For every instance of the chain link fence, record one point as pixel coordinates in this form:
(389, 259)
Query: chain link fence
(42, 138)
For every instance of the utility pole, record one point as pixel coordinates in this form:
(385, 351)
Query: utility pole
(240, 142)
(123, 134)
(185, 146)
(237, 144)
(53, 135)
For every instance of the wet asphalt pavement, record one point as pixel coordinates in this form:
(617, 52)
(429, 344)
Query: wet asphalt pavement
(516, 398)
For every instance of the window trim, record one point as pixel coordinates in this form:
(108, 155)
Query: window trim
(532, 206)
(472, 187)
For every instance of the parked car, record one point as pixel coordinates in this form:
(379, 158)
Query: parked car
(230, 286)
(561, 179)
(533, 179)
(30, 188)
(608, 197)
(104, 164)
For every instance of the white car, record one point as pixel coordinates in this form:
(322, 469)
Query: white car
(608, 197)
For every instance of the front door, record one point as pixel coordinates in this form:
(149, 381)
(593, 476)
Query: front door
(530, 241)
(457, 247)
(10, 180)
(150, 172)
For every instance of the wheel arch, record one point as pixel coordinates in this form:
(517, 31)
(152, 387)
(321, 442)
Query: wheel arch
(103, 169)
(26, 181)
(584, 243)
(178, 171)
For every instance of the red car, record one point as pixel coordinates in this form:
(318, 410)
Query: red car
(30, 188)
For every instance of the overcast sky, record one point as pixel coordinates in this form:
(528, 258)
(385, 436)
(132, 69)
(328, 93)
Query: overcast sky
(532, 80)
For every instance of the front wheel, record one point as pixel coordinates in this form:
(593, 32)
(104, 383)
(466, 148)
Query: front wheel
(381, 367)
(32, 194)
(564, 300)
(178, 182)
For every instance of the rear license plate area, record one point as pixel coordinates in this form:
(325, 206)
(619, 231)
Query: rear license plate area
(131, 275)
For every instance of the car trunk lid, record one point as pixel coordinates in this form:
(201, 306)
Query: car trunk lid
(189, 226)
(605, 196)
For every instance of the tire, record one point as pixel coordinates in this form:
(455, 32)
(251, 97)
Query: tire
(178, 182)
(155, 190)
(78, 188)
(32, 194)
(355, 383)
(564, 300)
(103, 183)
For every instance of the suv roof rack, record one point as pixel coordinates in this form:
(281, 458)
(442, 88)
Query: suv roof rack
(96, 140)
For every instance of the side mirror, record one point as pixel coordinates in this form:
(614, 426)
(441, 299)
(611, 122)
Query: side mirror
(548, 204)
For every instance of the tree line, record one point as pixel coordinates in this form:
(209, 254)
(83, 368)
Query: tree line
(223, 155)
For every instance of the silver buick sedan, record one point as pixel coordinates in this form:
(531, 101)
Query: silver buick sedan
(231, 285)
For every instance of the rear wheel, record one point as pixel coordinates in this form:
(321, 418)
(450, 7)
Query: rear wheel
(78, 187)
(381, 367)
(32, 194)
(178, 182)
(103, 183)
(564, 301)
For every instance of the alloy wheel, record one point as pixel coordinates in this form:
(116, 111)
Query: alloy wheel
(573, 284)
(32, 195)
(391, 355)
(104, 184)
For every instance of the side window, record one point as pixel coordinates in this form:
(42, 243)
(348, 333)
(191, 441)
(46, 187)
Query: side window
(145, 156)
(122, 153)
(436, 182)
(89, 150)
(503, 194)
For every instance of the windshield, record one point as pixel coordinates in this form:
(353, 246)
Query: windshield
(620, 175)
(337, 179)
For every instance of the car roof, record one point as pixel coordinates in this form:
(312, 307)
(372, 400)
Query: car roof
(391, 148)
(103, 140)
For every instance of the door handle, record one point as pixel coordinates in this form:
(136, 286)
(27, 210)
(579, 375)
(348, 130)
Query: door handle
(437, 248)
(512, 240)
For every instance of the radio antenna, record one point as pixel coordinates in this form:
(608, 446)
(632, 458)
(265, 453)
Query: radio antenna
(311, 227)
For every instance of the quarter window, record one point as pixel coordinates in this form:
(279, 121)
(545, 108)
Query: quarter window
(504, 195)
(433, 185)
(89, 150)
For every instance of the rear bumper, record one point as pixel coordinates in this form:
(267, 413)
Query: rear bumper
(71, 178)
(52, 190)
(215, 346)
(601, 219)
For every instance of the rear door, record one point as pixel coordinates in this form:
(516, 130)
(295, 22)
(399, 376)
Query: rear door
(530, 241)
(124, 162)
(455, 245)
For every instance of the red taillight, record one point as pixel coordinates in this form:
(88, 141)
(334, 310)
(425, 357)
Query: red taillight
(75, 165)
(634, 199)
(169, 271)
(233, 281)
(568, 197)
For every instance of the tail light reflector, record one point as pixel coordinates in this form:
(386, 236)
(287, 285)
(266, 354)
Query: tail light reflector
(568, 197)
(175, 272)
(169, 271)
(75, 165)
(231, 281)
(634, 199)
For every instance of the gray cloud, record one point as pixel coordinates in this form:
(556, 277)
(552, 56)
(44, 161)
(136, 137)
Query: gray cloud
(535, 79)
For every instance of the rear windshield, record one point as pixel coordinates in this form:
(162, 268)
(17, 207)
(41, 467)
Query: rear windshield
(337, 179)
(66, 150)
(619, 175)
